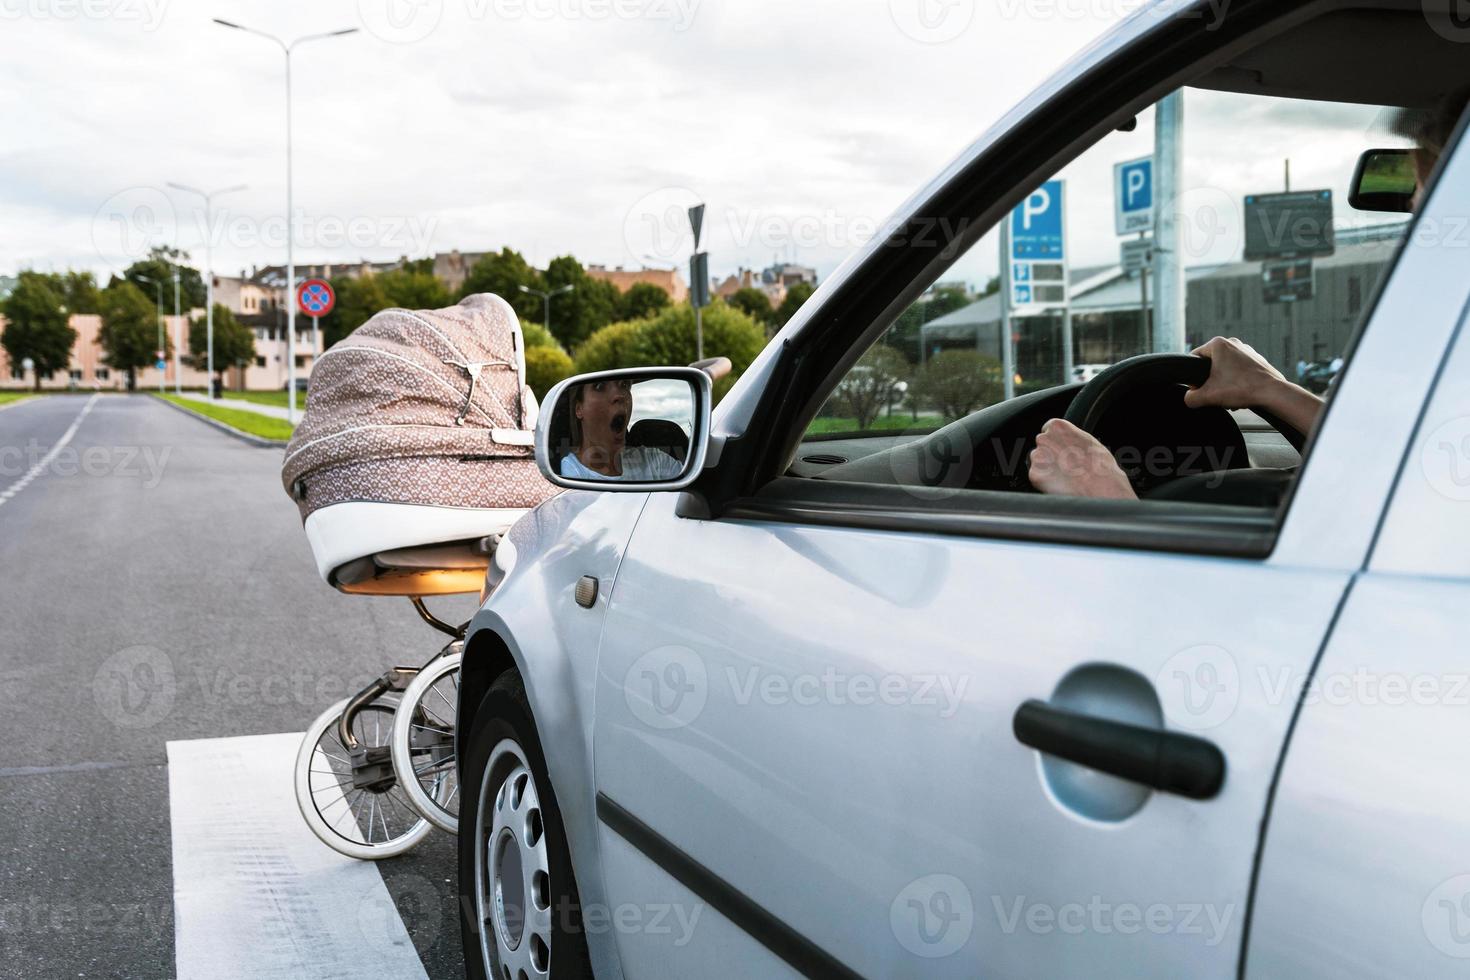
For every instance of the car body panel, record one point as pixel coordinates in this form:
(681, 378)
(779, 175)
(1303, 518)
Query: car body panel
(554, 645)
(824, 811)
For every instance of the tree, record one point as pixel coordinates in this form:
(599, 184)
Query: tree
(796, 296)
(357, 300)
(159, 267)
(536, 335)
(755, 303)
(609, 348)
(590, 305)
(957, 382)
(36, 325)
(545, 366)
(944, 302)
(669, 337)
(414, 289)
(233, 341)
(503, 273)
(129, 334)
(79, 292)
(643, 300)
(870, 385)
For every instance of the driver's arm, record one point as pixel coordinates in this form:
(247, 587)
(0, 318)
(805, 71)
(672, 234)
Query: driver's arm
(1242, 378)
(1068, 462)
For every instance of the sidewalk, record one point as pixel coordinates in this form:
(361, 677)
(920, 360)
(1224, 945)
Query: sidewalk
(243, 405)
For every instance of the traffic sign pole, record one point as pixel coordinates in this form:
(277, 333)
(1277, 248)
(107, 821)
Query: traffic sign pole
(1168, 258)
(1007, 355)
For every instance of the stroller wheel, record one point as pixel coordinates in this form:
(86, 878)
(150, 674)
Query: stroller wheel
(350, 798)
(423, 743)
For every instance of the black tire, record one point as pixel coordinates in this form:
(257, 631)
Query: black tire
(506, 714)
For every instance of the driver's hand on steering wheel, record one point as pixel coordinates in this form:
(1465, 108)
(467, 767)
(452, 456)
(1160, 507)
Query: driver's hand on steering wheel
(1068, 462)
(1239, 376)
(1242, 378)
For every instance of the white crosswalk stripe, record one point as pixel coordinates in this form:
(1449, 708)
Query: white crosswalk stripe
(256, 895)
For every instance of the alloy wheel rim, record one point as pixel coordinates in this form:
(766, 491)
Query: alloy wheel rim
(512, 871)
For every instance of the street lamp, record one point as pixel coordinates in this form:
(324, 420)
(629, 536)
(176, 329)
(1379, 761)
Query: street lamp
(209, 270)
(546, 299)
(158, 287)
(286, 49)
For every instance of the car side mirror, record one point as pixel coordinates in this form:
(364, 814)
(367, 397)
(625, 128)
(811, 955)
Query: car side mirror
(1386, 180)
(630, 430)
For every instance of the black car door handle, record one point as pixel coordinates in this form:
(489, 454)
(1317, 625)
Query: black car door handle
(1166, 761)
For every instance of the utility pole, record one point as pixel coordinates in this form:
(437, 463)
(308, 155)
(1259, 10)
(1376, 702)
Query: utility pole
(208, 271)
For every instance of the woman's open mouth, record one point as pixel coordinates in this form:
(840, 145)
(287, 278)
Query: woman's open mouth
(619, 424)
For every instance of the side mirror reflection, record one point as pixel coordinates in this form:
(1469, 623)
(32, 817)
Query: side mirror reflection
(632, 429)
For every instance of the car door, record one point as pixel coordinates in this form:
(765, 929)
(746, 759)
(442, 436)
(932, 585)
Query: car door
(1363, 867)
(807, 708)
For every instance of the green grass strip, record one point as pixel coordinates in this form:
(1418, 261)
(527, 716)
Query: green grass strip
(251, 423)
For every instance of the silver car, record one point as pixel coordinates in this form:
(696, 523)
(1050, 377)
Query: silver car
(804, 684)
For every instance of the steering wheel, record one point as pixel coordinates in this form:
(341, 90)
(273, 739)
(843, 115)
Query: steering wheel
(1108, 391)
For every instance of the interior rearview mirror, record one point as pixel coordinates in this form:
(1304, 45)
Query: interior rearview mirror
(1386, 180)
(636, 429)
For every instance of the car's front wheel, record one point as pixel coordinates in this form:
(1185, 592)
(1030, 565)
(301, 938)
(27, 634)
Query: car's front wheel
(519, 913)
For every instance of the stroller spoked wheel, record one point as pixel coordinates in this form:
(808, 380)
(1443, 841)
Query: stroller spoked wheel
(423, 742)
(349, 796)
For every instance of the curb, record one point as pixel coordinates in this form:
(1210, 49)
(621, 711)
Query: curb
(226, 429)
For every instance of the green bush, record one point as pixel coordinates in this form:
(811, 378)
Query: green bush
(545, 366)
(608, 348)
(538, 336)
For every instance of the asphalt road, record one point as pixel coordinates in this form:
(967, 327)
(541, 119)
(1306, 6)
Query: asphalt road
(152, 538)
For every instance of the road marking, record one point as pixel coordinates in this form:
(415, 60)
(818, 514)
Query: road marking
(46, 460)
(256, 895)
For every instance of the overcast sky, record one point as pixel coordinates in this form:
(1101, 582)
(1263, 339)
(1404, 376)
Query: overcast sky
(551, 126)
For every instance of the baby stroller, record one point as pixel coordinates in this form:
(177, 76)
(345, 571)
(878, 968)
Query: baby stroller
(414, 458)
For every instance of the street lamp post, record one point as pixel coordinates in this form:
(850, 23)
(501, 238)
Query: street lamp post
(178, 369)
(290, 204)
(546, 299)
(208, 271)
(158, 289)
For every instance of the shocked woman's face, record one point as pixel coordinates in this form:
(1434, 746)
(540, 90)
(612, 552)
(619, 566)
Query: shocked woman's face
(604, 411)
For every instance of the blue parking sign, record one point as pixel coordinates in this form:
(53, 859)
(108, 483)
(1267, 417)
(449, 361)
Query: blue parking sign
(1036, 225)
(1021, 272)
(1133, 190)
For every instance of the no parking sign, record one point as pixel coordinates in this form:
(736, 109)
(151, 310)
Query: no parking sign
(315, 297)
